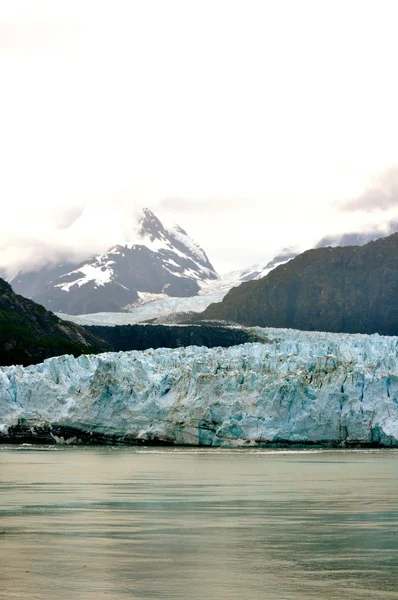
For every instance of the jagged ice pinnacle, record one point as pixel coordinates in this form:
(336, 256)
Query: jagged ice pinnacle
(296, 387)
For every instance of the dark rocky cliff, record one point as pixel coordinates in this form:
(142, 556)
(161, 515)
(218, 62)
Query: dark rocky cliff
(352, 290)
(142, 337)
(29, 333)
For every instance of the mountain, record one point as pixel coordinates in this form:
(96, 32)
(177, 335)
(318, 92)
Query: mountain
(162, 272)
(160, 262)
(354, 238)
(261, 270)
(29, 333)
(143, 337)
(351, 289)
(30, 283)
(167, 309)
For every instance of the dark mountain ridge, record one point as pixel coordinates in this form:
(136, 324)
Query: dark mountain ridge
(29, 333)
(142, 337)
(352, 289)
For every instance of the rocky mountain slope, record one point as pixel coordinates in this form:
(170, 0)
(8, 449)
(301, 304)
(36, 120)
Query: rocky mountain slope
(29, 333)
(161, 261)
(353, 238)
(345, 289)
(295, 388)
(31, 283)
(169, 309)
(143, 337)
(161, 273)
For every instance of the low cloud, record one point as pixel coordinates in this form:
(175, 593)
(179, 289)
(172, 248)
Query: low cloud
(70, 234)
(177, 204)
(380, 196)
(37, 37)
(67, 216)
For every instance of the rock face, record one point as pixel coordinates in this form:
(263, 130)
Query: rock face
(29, 333)
(143, 337)
(31, 283)
(161, 262)
(296, 387)
(162, 272)
(352, 289)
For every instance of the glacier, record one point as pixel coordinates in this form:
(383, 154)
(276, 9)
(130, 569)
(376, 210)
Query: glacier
(294, 388)
(160, 306)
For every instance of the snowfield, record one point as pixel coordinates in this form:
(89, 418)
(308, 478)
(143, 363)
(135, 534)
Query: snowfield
(296, 387)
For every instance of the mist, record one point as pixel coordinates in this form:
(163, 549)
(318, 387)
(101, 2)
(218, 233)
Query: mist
(249, 144)
(381, 195)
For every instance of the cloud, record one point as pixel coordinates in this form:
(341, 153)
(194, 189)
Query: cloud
(381, 196)
(203, 205)
(27, 28)
(99, 100)
(27, 38)
(66, 217)
(31, 240)
(189, 205)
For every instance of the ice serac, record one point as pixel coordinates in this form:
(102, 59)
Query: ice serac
(296, 387)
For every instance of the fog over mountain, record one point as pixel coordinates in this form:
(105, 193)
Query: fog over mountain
(249, 144)
(158, 261)
(76, 233)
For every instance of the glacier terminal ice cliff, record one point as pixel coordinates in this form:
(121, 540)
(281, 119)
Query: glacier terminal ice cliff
(295, 387)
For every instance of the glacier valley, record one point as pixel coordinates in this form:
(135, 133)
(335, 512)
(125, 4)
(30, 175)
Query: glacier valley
(294, 388)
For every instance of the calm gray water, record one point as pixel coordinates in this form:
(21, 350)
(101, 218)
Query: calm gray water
(117, 523)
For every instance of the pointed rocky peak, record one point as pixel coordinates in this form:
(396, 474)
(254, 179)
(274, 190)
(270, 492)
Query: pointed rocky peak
(159, 260)
(150, 226)
(160, 237)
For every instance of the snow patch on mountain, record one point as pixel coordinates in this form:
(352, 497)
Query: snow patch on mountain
(159, 306)
(158, 237)
(179, 234)
(100, 274)
(158, 260)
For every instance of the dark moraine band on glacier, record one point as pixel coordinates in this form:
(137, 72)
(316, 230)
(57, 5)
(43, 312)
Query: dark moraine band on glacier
(294, 388)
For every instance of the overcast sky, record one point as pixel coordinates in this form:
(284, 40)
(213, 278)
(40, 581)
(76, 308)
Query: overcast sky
(254, 125)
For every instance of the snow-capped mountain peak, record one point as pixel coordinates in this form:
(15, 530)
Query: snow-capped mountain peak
(158, 236)
(159, 260)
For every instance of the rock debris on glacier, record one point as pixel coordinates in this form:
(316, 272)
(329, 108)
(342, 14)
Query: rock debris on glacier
(296, 387)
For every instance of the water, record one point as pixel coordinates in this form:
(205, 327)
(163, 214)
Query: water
(118, 523)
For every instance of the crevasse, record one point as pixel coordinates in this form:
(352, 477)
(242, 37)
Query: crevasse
(296, 387)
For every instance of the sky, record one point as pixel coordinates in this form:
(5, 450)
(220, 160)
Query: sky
(255, 125)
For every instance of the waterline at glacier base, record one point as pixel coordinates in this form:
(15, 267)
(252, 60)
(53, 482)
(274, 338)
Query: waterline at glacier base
(295, 388)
